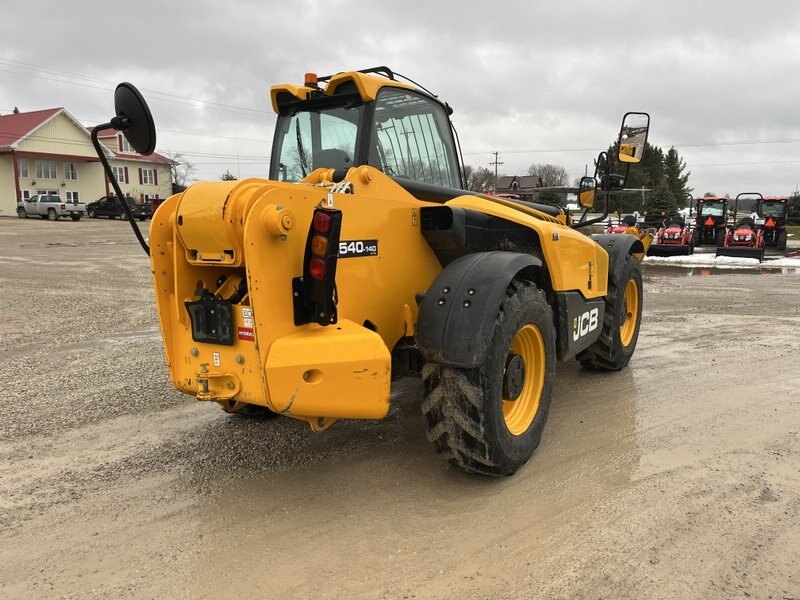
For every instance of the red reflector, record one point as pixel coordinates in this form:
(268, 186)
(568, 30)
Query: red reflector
(322, 222)
(317, 268)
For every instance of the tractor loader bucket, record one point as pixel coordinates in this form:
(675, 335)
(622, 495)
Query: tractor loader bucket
(669, 250)
(741, 252)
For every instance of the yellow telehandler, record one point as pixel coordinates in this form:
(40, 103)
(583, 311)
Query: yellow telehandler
(363, 258)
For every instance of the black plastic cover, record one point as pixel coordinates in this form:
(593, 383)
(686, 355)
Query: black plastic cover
(459, 310)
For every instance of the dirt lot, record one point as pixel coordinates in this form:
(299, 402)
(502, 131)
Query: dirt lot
(677, 478)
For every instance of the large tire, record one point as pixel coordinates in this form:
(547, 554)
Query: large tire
(91, 213)
(470, 416)
(21, 213)
(52, 214)
(252, 411)
(782, 239)
(697, 237)
(623, 315)
(719, 237)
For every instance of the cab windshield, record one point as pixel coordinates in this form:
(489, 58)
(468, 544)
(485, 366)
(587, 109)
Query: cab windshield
(712, 209)
(409, 138)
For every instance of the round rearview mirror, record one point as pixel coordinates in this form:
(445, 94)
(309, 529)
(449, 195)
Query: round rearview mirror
(586, 191)
(633, 137)
(134, 119)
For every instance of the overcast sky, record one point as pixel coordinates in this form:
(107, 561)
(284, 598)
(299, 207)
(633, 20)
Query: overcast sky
(536, 81)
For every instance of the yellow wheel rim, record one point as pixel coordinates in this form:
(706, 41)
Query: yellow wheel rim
(519, 414)
(631, 307)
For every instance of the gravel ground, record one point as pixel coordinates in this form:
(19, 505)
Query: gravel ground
(677, 477)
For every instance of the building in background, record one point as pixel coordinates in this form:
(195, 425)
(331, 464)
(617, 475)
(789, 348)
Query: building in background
(50, 152)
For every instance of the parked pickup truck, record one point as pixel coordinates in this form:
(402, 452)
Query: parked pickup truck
(50, 206)
(111, 207)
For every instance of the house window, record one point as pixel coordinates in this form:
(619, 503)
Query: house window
(46, 169)
(47, 192)
(126, 147)
(72, 197)
(119, 173)
(148, 177)
(26, 194)
(71, 170)
(23, 167)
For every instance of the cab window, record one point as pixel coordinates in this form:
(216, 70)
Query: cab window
(311, 140)
(412, 139)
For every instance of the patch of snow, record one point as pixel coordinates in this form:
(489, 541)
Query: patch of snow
(723, 262)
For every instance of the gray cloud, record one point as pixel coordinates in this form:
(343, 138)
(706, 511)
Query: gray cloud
(528, 79)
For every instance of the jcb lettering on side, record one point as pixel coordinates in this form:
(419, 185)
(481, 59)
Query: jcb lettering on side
(585, 323)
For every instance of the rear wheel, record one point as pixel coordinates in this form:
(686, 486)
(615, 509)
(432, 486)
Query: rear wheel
(75, 217)
(623, 315)
(52, 214)
(21, 213)
(782, 240)
(720, 237)
(697, 237)
(489, 419)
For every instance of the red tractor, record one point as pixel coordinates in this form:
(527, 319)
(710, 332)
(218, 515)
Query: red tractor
(673, 238)
(773, 212)
(744, 239)
(710, 222)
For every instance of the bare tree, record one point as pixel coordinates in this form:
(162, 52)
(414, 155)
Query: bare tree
(480, 179)
(549, 174)
(181, 171)
(228, 176)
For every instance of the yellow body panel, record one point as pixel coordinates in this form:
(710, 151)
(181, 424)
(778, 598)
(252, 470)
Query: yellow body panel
(368, 86)
(574, 261)
(239, 229)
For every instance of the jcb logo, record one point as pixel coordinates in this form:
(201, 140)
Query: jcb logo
(584, 324)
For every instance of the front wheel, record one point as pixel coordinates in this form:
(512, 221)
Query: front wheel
(489, 419)
(614, 348)
(21, 213)
(91, 213)
(52, 214)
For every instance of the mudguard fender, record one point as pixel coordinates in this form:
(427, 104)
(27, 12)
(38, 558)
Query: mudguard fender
(618, 247)
(459, 310)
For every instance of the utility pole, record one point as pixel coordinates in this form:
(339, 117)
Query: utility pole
(496, 163)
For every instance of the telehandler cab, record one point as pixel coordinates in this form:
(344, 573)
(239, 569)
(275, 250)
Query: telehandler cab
(362, 259)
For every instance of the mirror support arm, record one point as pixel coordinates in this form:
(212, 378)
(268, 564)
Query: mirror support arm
(606, 191)
(117, 123)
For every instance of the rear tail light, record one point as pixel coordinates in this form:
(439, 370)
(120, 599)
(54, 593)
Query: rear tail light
(315, 293)
(63, 207)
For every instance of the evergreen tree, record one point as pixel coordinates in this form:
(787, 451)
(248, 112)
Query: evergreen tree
(676, 175)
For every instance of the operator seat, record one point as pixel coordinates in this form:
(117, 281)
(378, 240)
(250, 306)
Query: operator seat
(332, 158)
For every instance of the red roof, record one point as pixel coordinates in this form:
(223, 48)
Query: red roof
(109, 132)
(14, 127)
(154, 157)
